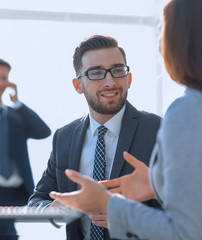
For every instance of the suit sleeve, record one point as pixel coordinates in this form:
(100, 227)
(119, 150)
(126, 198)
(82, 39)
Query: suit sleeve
(47, 183)
(34, 126)
(177, 179)
(128, 219)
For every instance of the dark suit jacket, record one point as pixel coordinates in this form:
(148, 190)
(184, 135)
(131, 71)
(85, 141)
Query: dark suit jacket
(137, 136)
(23, 123)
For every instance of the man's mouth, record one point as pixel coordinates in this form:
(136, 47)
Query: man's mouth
(109, 94)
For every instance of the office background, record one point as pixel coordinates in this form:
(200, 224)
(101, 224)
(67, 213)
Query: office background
(38, 39)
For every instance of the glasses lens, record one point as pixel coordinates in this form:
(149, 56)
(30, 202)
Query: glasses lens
(96, 74)
(119, 72)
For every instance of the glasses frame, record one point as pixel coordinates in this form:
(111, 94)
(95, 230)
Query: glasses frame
(106, 71)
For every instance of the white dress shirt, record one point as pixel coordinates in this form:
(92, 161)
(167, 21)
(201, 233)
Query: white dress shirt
(87, 156)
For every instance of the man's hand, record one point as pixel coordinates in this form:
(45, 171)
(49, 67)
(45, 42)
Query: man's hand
(4, 85)
(14, 98)
(91, 198)
(99, 219)
(136, 185)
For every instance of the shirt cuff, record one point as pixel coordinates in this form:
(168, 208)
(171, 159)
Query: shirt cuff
(116, 228)
(17, 105)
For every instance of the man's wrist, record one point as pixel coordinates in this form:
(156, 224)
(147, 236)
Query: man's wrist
(17, 104)
(105, 202)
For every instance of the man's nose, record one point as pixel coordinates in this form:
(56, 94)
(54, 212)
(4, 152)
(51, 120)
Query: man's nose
(109, 79)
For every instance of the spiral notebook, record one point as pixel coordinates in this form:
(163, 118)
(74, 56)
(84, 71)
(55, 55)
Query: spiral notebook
(33, 214)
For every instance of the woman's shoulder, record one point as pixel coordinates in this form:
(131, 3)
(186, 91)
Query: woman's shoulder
(185, 106)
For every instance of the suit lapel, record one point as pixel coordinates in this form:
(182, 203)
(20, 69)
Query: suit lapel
(76, 148)
(128, 128)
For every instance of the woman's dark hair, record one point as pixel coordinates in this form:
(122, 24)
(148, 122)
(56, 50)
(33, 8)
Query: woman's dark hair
(182, 41)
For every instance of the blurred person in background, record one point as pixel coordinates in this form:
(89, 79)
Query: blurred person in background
(17, 124)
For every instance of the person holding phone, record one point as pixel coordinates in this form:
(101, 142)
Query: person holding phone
(17, 124)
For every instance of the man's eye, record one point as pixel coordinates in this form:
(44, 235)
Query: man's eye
(118, 70)
(96, 72)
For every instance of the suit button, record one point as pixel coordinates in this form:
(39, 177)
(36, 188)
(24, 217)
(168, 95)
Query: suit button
(130, 235)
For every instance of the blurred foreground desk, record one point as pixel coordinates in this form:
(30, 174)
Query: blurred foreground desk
(49, 214)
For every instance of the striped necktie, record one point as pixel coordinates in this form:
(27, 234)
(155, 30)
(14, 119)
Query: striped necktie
(97, 233)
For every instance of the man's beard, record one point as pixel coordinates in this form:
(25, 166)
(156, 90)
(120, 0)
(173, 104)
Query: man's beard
(106, 109)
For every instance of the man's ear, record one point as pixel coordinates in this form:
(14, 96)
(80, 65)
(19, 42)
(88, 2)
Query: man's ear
(76, 83)
(129, 79)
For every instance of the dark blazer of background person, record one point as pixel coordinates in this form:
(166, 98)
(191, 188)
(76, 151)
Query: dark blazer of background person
(18, 124)
(137, 136)
(24, 123)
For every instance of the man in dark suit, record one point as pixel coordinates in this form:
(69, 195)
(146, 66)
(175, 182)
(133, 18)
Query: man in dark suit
(104, 78)
(17, 124)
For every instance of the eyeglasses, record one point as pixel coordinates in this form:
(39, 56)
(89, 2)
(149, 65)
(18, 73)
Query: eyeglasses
(100, 73)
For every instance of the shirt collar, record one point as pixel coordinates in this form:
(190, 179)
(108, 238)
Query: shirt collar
(113, 125)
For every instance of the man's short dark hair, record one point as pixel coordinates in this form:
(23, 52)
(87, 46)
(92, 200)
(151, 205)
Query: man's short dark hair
(5, 64)
(94, 42)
